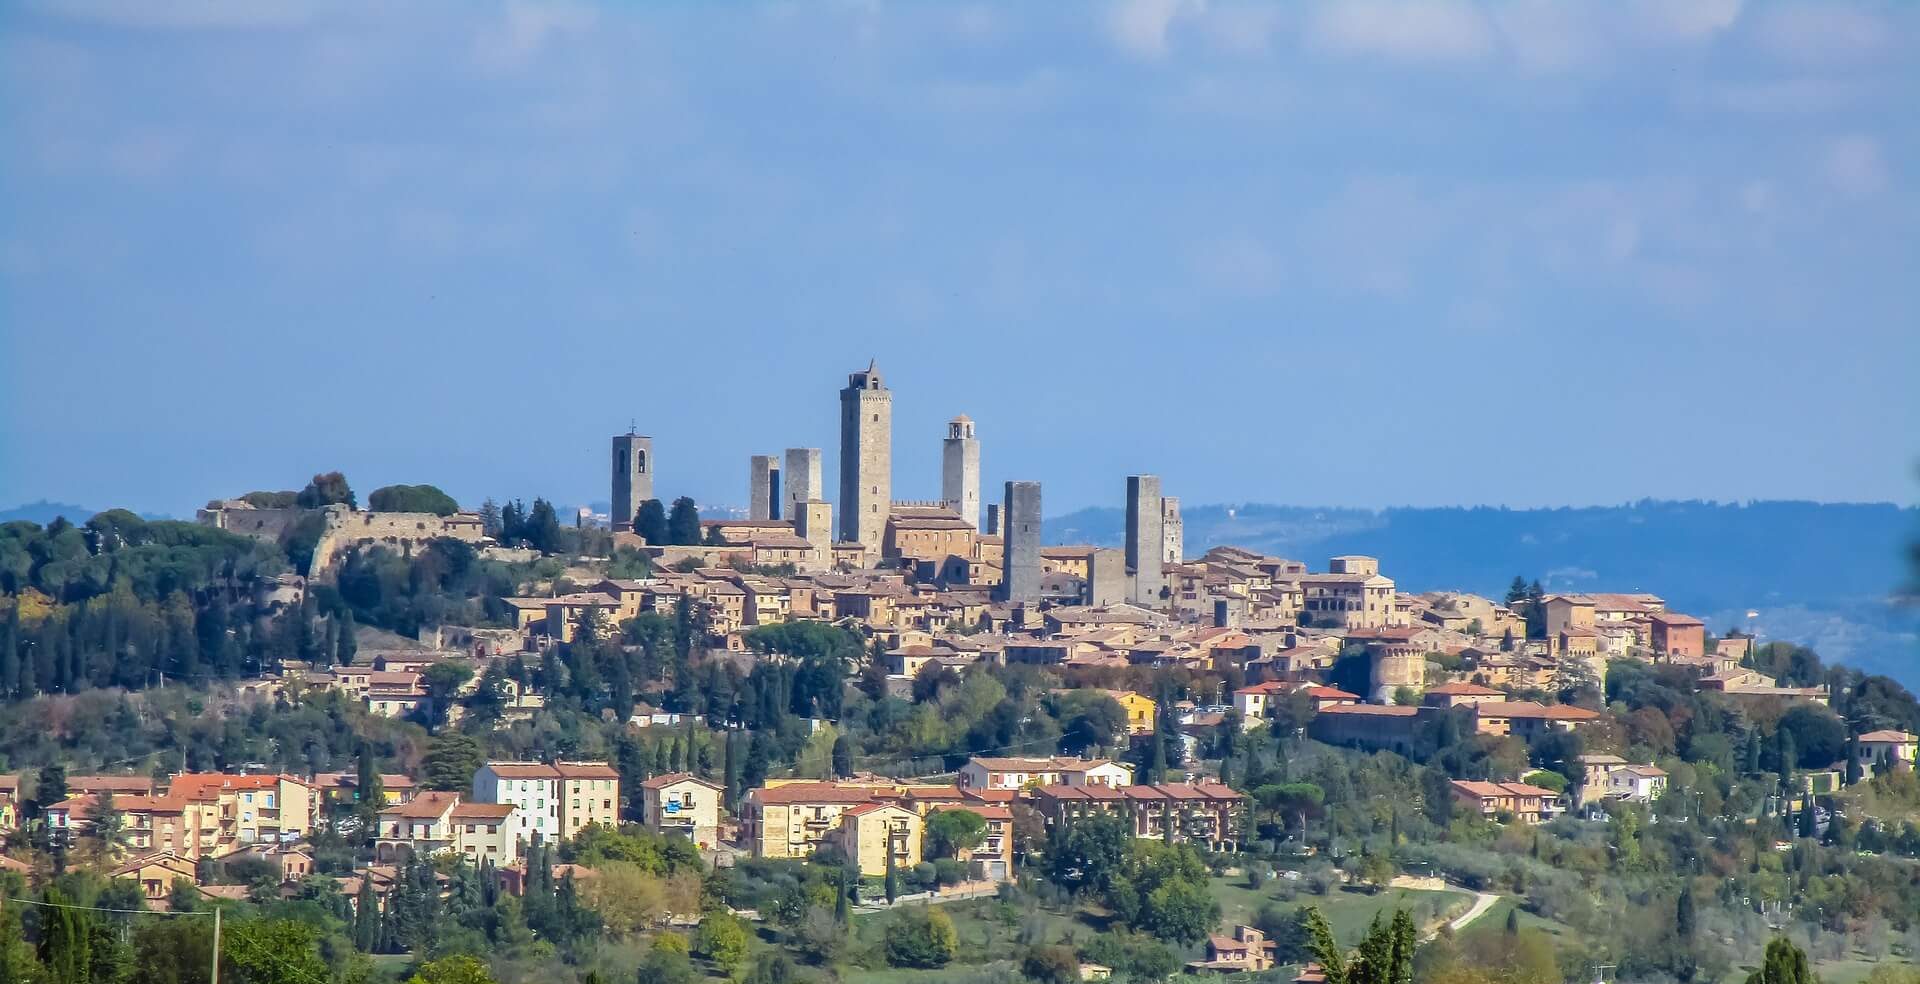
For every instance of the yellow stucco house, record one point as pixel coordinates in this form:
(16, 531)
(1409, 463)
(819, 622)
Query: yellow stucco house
(867, 832)
(1141, 710)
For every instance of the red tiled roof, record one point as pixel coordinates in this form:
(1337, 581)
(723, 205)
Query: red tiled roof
(426, 806)
(672, 778)
(812, 792)
(482, 811)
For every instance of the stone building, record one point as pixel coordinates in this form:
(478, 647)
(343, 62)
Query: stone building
(1146, 539)
(1021, 552)
(632, 477)
(1106, 577)
(866, 458)
(1172, 530)
(960, 470)
(1206, 814)
(685, 804)
(763, 487)
(800, 479)
(926, 533)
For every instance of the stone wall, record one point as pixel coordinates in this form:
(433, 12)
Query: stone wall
(398, 531)
(237, 516)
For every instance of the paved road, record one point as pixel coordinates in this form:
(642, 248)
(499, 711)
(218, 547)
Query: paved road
(1482, 901)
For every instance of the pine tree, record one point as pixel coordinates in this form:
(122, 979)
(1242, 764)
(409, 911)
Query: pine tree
(1683, 916)
(1854, 770)
(650, 522)
(683, 522)
(1513, 921)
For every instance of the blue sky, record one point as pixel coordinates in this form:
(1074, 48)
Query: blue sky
(1358, 254)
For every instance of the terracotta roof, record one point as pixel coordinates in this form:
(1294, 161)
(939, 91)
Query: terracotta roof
(522, 770)
(586, 770)
(870, 807)
(482, 811)
(1054, 764)
(673, 778)
(812, 792)
(1457, 688)
(119, 784)
(1497, 789)
(426, 806)
(1899, 737)
(208, 785)
(1328, 693)
(1370, 710)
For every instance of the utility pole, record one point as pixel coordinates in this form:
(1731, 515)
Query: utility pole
(216, 946)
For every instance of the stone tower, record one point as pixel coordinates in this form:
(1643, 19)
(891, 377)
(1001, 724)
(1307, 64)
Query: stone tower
(960, 470)
(763, 487)
(1173, 532)
(866, 458)
(993, 520)
(632, 477)
(813, 522)
(1146, 543)
(1021, 557)
(1106, 577)
(801, 479)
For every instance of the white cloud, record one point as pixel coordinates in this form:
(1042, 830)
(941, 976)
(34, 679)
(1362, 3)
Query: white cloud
(1681, 20)
(1419, 30)
(1854, 166)
(524, 30)
(1140, 27)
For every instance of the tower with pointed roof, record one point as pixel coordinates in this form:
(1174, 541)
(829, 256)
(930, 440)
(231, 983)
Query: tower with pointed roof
(960, 470)
(866, 458)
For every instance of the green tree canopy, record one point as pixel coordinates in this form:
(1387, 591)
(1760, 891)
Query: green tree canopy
(412, 498)
(326, 489)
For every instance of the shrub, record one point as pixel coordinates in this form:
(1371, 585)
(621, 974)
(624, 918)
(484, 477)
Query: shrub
(921, 937)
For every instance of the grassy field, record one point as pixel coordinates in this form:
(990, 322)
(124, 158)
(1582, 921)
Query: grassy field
(990, 930)
(1348, 912)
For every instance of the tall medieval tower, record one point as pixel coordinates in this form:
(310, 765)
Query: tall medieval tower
(960, 470)
(632, 477)
(866, 457)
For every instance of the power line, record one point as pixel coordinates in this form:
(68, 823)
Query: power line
(97, 908)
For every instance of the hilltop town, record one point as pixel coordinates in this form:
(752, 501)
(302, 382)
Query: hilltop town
(855, 736)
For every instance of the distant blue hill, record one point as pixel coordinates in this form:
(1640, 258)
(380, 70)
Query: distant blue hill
(1818, 573)
(44, 512)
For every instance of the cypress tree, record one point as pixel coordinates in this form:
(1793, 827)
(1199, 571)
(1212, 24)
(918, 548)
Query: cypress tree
(64, 941)
(366, 916)
(893, 875)
(10, 656)
(1784, 964)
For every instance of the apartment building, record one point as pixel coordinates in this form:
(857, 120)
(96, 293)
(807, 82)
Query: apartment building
(1207, 814)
